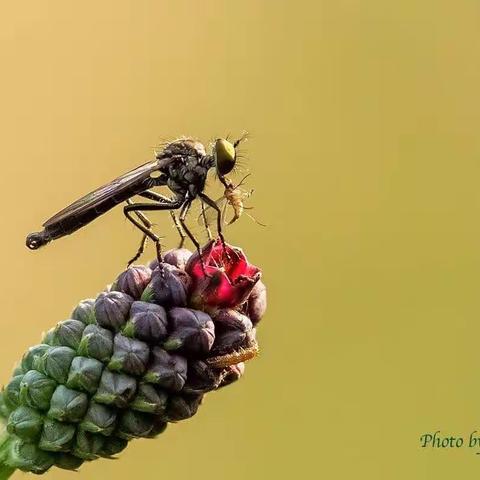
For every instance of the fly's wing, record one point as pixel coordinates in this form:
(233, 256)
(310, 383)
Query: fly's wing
(114, 188)
(211, 213)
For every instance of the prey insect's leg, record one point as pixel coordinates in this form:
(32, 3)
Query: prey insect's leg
(137, 208)
(205, 221)
(161, 198)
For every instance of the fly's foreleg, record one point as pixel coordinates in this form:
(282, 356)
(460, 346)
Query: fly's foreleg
(183, 215)
(212, 204)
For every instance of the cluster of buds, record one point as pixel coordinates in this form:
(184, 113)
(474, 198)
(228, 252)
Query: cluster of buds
(140, 355)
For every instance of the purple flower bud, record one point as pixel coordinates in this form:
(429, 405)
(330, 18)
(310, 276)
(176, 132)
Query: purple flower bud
(229, 341)
(129, 355)
(169, 286)
(112, 309)
(148, 322)
(257, 302)
(193, 331)
(133, 281)
(178, 257)
(228, 319)
(183, 406)
(159, 426)
(167, 370)
(202, 378)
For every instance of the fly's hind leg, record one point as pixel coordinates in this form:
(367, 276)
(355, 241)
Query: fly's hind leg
(143, 243)
(161, 198)
(137, 209)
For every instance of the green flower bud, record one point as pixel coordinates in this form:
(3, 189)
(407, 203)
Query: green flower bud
(99, 419)
(129, 355)
(36, 390)
(28, 360)
(18, 370)
(68, 461)
(26, 423)
(68, 405)
(112, 309)
(56, 436)
(85, 374)
(88, 445)
(167, 370)
(113, 446)
(49, 337)
(97, 342)
(11, 393)
(150, 399)
(4, 410)
(115, 389)
(148, 322)
(133, 281)
(55, 363)
(29, 458)
(85, 311)
(68, 333)
(134, 424)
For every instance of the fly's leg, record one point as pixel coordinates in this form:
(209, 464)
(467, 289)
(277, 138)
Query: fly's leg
(205, 222)
(183, 214)
(161, 198)
(143, 218)
(212, 204)
(179, 230)
(138, 208)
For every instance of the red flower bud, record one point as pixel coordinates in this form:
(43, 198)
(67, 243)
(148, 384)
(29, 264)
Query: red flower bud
(226, 278)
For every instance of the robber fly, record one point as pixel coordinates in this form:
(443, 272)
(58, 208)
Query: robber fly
(182, 166)
(234, 197)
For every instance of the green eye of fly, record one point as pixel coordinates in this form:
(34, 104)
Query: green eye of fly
(225, 156)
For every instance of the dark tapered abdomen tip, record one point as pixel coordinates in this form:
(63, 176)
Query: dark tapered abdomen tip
(36, 240)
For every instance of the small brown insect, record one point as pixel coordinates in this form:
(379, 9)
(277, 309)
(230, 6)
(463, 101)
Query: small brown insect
(234, 197)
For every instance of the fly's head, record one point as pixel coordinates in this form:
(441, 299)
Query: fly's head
(224, 155)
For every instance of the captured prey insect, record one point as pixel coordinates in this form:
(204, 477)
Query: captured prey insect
(234, 197)
(182, 166)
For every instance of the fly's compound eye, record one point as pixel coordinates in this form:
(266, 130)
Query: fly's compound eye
(225, 156)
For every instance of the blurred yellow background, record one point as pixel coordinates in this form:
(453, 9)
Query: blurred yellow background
(365, 157)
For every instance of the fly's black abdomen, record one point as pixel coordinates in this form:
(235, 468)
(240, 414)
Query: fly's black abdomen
(69, 224)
